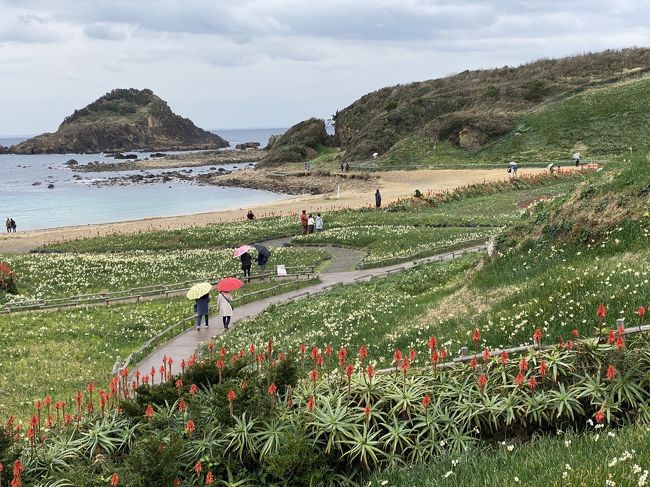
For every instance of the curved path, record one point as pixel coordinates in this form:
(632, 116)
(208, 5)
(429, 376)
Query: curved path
(188, 342)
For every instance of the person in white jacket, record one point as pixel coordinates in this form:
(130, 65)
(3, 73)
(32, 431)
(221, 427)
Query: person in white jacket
(225, 308)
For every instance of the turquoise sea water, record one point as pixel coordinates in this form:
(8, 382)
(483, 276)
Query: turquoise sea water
(76, 202)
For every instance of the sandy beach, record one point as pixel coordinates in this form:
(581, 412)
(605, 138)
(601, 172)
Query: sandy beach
(392, 185)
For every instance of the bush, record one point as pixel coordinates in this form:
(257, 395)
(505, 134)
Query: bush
(7, 279)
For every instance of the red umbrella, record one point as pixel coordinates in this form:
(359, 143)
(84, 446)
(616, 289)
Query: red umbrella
(229, 284)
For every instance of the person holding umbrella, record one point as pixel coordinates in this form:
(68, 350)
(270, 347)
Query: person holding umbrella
(224, 300)
(200, 293)
(263, 255)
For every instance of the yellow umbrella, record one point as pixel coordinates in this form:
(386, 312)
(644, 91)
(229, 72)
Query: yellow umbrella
(198, 290)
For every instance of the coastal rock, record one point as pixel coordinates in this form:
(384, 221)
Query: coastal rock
(122, 120)
(4, 150)
(50, 186)
(158, 154)
(247, 145)
(71, 162)
(36, 183)
(299, 143)
(272, 140)
(120, 156)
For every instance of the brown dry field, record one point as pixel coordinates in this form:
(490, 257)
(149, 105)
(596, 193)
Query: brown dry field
(392, 185)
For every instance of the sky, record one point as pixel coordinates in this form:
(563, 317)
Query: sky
(273, 63)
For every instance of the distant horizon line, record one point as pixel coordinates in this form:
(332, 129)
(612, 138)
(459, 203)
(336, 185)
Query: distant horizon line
(29, 136)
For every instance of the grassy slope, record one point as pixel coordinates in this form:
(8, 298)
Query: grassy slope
(598, 122)
(562, 460)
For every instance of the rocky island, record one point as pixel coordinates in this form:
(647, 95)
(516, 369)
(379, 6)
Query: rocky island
(122, 120)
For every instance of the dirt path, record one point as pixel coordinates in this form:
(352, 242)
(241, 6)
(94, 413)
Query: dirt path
(393, 185)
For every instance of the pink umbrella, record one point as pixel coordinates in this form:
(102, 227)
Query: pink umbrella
(241, 250)
(229, 284)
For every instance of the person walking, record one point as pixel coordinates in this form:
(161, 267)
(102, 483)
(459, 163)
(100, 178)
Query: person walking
(246, 263)
(250, 215)
(310, 224)
(13, 224)
(225, 308)
(342, 166)
(304, 220)
(201, 309)
(377, 199)
(8, 223)
(347, 167)
(319, 223)
(262, 260)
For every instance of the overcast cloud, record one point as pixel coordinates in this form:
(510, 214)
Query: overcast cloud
(272, 63)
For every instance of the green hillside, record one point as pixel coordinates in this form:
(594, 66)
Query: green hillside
(543, 110)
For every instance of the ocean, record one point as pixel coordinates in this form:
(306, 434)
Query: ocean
(77, 202)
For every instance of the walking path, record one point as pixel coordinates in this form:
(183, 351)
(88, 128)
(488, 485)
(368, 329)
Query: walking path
(188, 342)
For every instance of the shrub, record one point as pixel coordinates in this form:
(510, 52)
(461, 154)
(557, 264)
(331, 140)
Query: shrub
(7, 279)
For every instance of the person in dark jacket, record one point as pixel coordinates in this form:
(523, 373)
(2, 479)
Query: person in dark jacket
(262, 260)
(377, 199)
(246, 263)
(201, 310)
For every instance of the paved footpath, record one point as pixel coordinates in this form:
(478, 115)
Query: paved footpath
(188, 342)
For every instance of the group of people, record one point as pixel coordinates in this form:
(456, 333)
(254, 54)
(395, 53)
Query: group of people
(247, 263)
(201, 309)
(345, 166)
(11, 225)
(309, 223)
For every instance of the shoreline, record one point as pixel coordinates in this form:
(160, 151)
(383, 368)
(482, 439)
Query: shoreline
(393, 185)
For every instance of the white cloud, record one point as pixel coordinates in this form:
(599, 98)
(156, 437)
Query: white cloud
(275, 62)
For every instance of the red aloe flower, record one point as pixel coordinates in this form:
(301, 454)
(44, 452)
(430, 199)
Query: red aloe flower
(231, 396)
(367, 411)
(209, 478)
(314, 353)
(569, 344)
(405, 366)
(482, 381)
(611, 372)
(328, 351)
(198, 468)
(537, 336)
(179, 384)
(435, 357)
(397, 356)
(473, 363)
(620, 342)
(182, 407)
(486, 355)
(363, 352)
(611, 337)
(599, 416)
(342, 355)
(310, 403)
(476, 336)
(412, 355)
(519, 379)
(523, 364)
(532, 382)
(149, 411)
(313, 376)
(601, 312)
(272, 389)
(370, 370)
(433, 343)
(190, 427)
(193, 389)
(426, 401)
(504, 357)
(443, 353)
(575, 333)
(542, 368)
(349, 370)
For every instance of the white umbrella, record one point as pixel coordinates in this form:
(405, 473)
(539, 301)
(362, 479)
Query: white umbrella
(576, 155)
(549, 166)
(512, 163)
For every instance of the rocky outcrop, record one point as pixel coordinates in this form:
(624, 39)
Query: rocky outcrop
(300, 143)
(122, 120)
(4, 150)
(247, 145)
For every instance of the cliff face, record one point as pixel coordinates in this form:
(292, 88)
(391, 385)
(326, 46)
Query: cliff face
(3, 149)
(122, 120)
